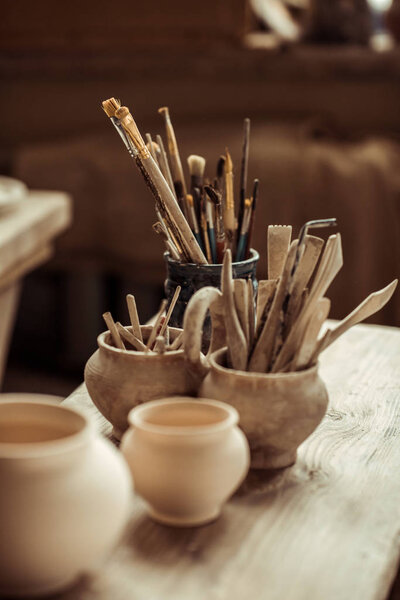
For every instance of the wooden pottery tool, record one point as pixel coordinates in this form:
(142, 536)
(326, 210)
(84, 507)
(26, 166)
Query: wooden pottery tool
(241, 304)
(266, 291)
(252, 316)
(113, 331)
(330, 265)
(237, 345)
(303, 355)
(264, 347)
(132, 339)
(133, 315)
(368, 307)
(279, 237)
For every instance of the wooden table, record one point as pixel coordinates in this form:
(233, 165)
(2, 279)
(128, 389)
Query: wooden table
(27, 233)
(326, 529)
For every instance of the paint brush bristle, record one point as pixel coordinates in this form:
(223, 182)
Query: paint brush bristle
(111, 106)
(196, 164)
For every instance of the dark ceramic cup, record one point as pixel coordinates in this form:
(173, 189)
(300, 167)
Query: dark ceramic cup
(192, 277)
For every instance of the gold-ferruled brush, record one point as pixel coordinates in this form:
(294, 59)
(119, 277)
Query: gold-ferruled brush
(229, 212)
(175, 159)
(165, 195)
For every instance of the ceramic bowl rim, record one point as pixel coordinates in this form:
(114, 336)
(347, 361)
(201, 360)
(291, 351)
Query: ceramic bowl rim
(255, 256)
(252, 374)
(101, 342)
(19, 450)
(135, 418)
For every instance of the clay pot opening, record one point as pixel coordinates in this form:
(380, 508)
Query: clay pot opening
(219, 362)
(105, 340)
(181, 416)
(30, 425)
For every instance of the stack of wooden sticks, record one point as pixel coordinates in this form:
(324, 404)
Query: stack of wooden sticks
(200, 224)
(158, 340)
(284, 334)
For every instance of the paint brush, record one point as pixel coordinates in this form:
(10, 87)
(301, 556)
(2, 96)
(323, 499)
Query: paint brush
(196, 166)
(229, 215)
(216, 198)
(221, 174)
(175, 160)
(164, 166)
(151, 147)
(241, 246)
(210, 228)
(254, 198)
(110, 107)
(203, 221)
(193, 219)
(243, 171)
(165, 195)
(159, 229)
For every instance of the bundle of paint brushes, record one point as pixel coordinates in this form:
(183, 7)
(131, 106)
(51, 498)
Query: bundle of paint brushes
(158, 340)
(199, 225)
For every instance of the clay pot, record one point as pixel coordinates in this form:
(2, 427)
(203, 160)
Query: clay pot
(65, 496)
(278, 411)
(186, 457)
(118, 380)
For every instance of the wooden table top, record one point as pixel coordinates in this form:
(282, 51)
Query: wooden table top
(327, 528)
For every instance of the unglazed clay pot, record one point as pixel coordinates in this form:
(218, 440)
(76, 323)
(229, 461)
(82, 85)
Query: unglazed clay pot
(118, 380)
(278, 411)
(187, 457)
(64, 500)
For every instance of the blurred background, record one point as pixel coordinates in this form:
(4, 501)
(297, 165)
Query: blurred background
(320, 80)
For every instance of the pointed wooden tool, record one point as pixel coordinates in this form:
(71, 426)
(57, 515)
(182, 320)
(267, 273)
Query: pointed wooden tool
(266, 291)
(241, 304)
(251, 308)
(278, 245)
(303, 355)
(263, 351)
(237, 344)
(368, 307)
(330, 265)
(312, 250)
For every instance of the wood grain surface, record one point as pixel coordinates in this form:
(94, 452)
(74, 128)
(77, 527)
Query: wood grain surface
(326, 529)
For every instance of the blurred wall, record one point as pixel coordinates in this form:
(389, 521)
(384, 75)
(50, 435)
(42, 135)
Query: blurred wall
(325, 124)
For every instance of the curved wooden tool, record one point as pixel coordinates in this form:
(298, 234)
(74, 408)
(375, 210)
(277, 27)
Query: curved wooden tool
(368, 307)
(193, 320)
(237, 344)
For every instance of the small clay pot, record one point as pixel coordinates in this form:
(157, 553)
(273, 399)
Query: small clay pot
(118, 380)
(65, 496)
(187, 457)
(278, 411)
